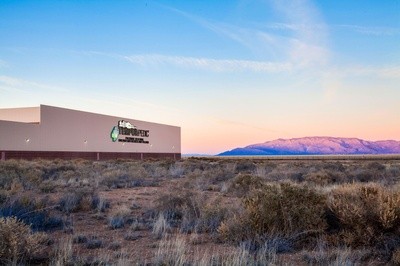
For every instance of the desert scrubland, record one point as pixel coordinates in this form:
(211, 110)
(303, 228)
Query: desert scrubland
(200, 211)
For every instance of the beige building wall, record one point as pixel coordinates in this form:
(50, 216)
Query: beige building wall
(24, 115)
(70, 130)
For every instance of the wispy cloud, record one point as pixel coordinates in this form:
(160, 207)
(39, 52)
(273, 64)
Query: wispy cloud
(217, 65)
(21, 84)
(377, 31)
(258, 41)
(308, 46)
(304, 45)
(365, 30)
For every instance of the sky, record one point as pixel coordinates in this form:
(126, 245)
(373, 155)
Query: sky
(229, 73)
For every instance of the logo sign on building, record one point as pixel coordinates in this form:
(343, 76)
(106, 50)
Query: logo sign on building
(126, 132)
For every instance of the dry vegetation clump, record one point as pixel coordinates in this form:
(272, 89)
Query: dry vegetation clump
(285, 209)
(365, 215)
(124, 176)
(243, 183)
(79, 200)
(119, 217)
(17, 242)
(181, 209)
(212, 215)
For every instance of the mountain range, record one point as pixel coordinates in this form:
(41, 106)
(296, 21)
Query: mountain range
(317, 146)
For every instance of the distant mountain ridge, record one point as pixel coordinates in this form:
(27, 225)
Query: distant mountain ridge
(318, 146)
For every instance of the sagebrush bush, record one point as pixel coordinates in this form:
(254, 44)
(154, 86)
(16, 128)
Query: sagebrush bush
(79, 200)
(282, 209)
(211, 217)
(94, 242)
(119, 217)
(245, 166)
(285, 209)
(321, 178)
(176, 207)
(17, 242)
(365, 214)
(244, 183)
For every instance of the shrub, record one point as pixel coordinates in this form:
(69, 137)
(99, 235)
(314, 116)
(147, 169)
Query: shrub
(243, 183)
(93, 243)
(31, 212)
(132, 236)
(119, 217)
(124, 175)
(321, 178)
(176, 170)
(175, 206)
(79, 200)
(211, 217)
(115, 246)
(364, 214)
(18, 243)
(245, 166)
(286, 209)
(80, 239)
(160, 227)
(102, 204)
(283, 209)
(47, 187)
(26, 174)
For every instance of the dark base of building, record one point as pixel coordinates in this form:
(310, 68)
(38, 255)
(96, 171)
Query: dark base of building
(97, 156)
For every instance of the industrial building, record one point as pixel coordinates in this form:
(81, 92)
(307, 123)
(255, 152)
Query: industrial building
(51, 132)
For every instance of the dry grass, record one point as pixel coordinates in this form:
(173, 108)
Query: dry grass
(203, 211)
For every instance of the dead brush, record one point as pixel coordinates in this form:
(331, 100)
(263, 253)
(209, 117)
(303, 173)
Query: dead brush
(177, 207)
(365, 213)
(172, 251)
(160, 227)
(17, 242)
(63, 253)
(242, 184)
(119, 217)
(285, 209)
(211, 217)
(79, 200)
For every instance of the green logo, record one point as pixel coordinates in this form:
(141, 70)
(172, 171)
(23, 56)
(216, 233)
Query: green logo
(114, 134)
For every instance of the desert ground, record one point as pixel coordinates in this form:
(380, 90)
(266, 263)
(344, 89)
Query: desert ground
(201, 211)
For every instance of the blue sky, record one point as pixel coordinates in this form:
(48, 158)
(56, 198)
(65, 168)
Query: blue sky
(230, 73)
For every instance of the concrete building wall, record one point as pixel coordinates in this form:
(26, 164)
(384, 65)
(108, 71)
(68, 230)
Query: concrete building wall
(64, 130)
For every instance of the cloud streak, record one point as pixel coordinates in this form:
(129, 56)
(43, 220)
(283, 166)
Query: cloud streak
(377, 31)
(364, 30)
(18, 84)
(217, 65)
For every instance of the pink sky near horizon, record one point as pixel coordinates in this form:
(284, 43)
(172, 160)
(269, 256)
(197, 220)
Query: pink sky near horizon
(220, 139)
